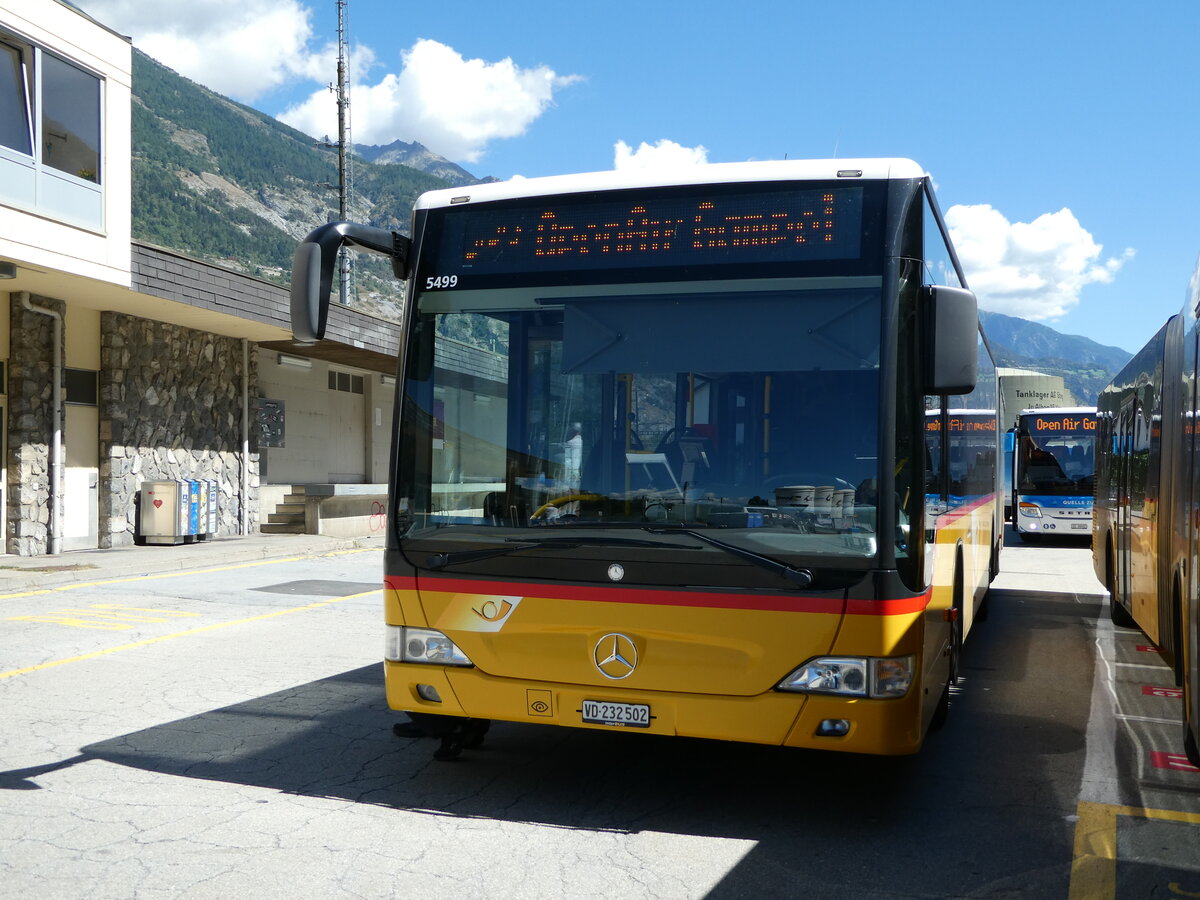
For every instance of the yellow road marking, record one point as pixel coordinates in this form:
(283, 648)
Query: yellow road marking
(167, 637)
(102, 616)
(1094, 866)
(259, 562)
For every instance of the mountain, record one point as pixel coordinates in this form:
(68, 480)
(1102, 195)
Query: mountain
(225, 183)
(1086, 366)
(228, 184)
(418, 156)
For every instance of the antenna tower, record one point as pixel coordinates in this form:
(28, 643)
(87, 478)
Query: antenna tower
(345, 148)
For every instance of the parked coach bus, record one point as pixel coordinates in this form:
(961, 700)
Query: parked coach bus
(659, 460)
(972, 456)
(1145, 539)
(1054, 465)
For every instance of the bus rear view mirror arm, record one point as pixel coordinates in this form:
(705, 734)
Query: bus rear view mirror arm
(312, 270)
(951, 340)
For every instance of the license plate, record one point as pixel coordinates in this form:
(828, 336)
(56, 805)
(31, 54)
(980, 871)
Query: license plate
(1081, 526)
(606, 712)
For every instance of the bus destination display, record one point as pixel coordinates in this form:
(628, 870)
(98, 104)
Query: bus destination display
(712, 229)
(1061, 423)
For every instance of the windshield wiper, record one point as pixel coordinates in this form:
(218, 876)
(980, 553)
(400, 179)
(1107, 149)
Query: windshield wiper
(799, 577)
(441, 560)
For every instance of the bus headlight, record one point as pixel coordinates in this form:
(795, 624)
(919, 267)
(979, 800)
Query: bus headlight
(852, 676)
(422, 645)
(1030, 509)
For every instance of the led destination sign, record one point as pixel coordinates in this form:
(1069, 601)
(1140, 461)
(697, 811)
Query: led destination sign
(653, 229)
(1062, 424)
(962, 425)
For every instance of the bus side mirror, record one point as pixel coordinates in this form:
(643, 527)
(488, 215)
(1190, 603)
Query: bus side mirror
(312, 270)
(312, 273)
(951, 340)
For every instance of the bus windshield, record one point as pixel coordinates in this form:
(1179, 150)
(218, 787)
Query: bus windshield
(556, 409)
(1056, 453)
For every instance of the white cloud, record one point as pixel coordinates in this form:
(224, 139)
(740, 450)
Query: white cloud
(1035, 270)
(248, 48)
(241, 48)
(452, 105)
(662, 155)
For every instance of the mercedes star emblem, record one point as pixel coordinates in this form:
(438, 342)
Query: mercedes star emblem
(615, 656)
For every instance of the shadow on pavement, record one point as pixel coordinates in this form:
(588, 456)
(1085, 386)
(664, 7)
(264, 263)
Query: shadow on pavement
(980, 795)
(1013, 539)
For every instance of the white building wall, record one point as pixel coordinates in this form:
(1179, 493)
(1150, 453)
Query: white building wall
(330, 436)
(29, 237)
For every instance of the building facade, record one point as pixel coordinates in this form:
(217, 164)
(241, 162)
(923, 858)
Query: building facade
(124, 363)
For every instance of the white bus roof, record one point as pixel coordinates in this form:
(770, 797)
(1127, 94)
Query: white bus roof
(713, 173)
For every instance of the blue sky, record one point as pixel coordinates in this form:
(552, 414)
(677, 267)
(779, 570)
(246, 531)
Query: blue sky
(1062, 136)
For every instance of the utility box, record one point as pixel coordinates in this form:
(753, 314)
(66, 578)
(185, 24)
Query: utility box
(212, 508)
(193, 520)
(163, 512)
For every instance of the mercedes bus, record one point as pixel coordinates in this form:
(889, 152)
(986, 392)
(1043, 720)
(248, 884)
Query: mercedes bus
(659, 458)
(1054, 466)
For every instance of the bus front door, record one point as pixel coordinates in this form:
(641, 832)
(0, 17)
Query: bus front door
(1122, 561)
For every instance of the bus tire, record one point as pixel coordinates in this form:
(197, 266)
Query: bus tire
(1117, 614)
(1190, 746)
(956, 622)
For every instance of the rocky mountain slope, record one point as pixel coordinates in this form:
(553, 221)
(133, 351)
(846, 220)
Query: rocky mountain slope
(226, 183)
(1085, 365)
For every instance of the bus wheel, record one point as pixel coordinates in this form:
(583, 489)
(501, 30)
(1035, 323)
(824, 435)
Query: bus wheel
(1117, 614)
(956, 625)
(1189, 745)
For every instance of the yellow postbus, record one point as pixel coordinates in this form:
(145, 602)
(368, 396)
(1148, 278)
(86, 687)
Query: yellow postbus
(1146, 521)
(660, 458)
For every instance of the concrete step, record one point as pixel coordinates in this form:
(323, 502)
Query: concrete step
(272, 528)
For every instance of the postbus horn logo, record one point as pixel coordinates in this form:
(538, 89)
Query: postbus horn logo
(615, 656)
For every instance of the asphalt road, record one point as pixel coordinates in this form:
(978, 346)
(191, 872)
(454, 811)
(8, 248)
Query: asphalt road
(225, 733)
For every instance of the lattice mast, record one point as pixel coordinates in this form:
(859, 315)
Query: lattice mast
(345, 149)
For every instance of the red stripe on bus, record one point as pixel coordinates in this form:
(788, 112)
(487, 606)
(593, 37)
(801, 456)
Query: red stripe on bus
(698, 599)
(903, 606)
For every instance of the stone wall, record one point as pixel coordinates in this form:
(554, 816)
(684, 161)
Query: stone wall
(29, 426)
(171, 409)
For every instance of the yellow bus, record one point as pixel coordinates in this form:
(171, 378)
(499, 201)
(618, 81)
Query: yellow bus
(1146, 519)
(660, 458)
